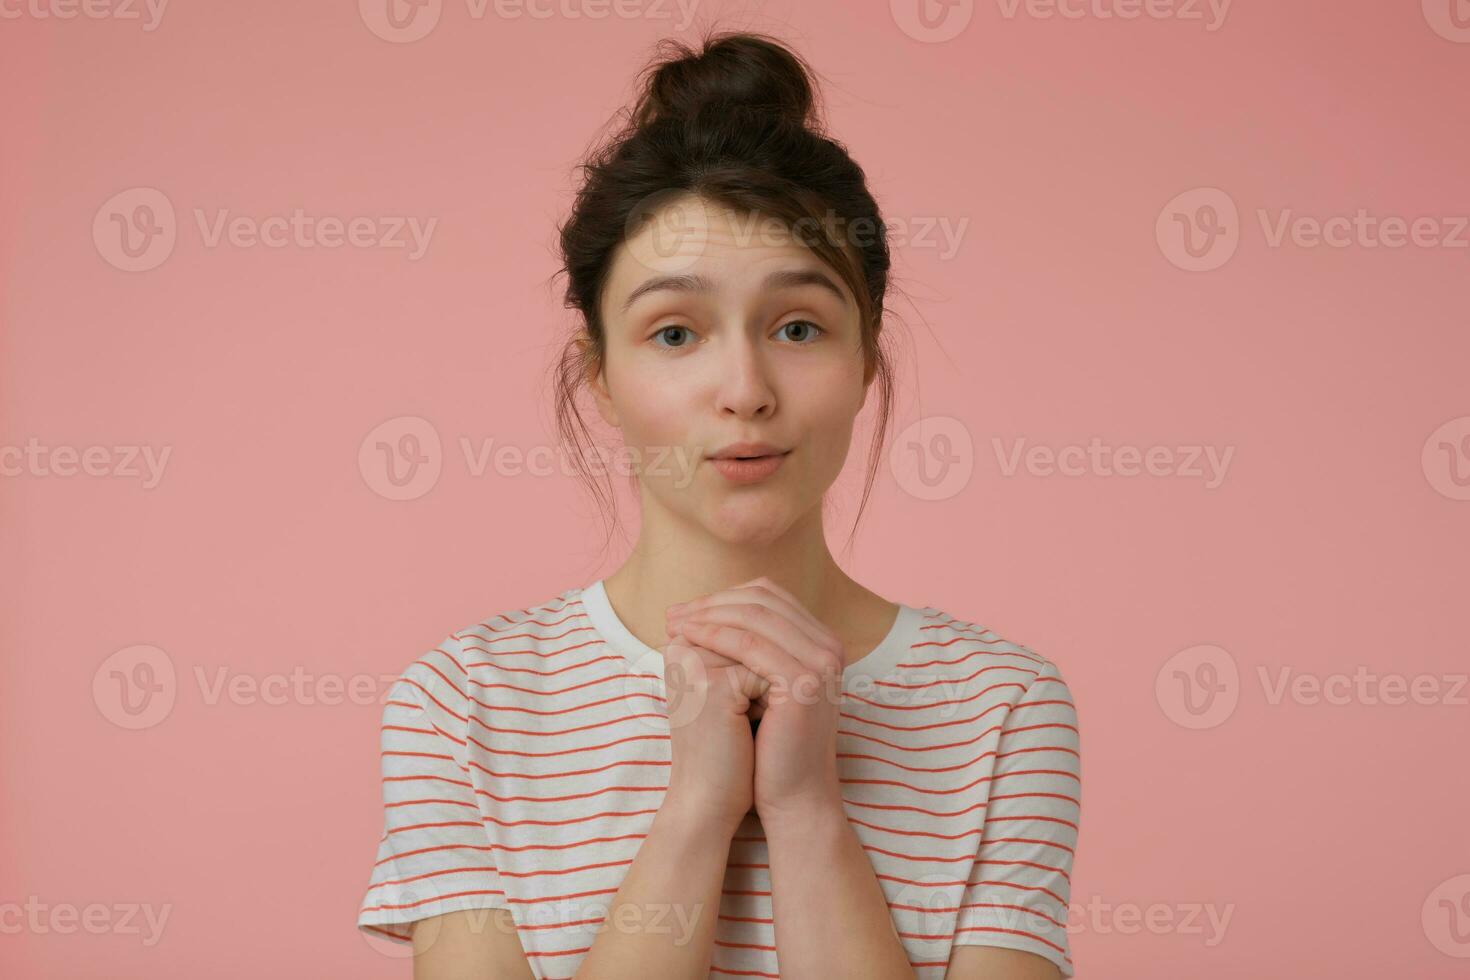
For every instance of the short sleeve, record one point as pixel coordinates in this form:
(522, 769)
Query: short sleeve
(434, 856)
(1021, 883)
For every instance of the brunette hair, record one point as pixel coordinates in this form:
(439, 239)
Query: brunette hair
(737, 124)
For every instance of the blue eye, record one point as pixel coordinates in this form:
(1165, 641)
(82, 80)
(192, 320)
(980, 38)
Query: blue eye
(813, 330)
(807, 332)
(665, 330)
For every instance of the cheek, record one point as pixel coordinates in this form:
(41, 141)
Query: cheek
(828, 396)
(653, 404)
(827, 403)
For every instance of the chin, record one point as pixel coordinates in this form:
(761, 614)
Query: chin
(747, 522)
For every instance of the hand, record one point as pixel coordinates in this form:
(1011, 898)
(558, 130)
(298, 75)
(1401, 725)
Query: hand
(712, 751)
(762, 627)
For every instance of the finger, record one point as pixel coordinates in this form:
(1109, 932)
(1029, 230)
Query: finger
(750, 648)
(786, 636)
(792, 601)
(694, 656)
(758, 590)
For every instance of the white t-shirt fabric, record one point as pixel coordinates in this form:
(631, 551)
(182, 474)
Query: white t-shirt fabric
(524, 758)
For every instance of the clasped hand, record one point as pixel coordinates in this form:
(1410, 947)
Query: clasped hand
(763, 627)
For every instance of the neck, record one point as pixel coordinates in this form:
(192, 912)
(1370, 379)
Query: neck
(674, 561)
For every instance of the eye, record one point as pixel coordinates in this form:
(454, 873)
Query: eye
(808, 330)
(683, 342)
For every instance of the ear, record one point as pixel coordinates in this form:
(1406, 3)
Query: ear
(596, 379)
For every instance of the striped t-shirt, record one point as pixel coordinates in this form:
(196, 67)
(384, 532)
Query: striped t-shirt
(524, 757)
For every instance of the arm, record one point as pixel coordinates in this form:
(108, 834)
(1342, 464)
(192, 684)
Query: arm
(1012, 918)
(830, 915)
(998, 963)
(681, 862)
(471, 944)
(436, 884)
(832, 919)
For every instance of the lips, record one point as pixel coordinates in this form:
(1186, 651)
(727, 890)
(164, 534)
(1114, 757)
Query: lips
(748, 450)
(753, 469)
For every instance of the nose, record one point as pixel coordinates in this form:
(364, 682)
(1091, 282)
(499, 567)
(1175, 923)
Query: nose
(745, 389)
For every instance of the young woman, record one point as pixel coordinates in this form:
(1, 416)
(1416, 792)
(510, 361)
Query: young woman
(727, 753)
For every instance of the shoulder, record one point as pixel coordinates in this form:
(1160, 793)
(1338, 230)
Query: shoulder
(957, 649)
(448, 672)
(1020, 693)
(537, 622)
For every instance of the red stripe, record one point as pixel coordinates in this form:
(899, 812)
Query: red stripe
(933, 704)
(973, 837)
(1019, 908)
(598, 747)
(946, 681)
(532, 652)
(571, 820)
(399, 803)
(550, 673)
(1017, 885)
(915, 809)
(973, 831)
(451, 659)
(1011, 932)
(429, 850)
(564, 731)
(900, 765)
(549, 608)
(430, 695)
(963, 786)
(1027, 840)
(564, 847)
(1028, 864)
(570, 773)
(437, 898)
(549, 693)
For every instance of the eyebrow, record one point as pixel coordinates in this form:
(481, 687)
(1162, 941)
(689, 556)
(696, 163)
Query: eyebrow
(781, 279)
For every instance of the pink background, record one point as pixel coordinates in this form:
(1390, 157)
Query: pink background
(1333, 835)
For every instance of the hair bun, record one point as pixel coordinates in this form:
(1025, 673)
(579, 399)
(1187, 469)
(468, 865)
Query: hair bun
(734, 71)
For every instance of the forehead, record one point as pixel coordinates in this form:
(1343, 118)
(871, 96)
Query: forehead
(689, 235)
